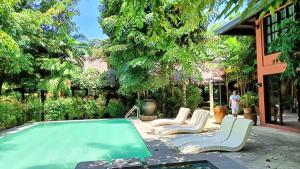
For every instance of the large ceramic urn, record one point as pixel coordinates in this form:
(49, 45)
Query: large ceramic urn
(220, 112)
(149, 107)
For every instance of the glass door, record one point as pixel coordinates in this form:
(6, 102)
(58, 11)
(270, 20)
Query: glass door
(273, 99)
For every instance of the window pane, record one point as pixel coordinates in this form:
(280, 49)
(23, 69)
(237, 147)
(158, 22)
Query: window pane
(276, 35)
(268, 20)
(269, 39)
(274, 18)
(291, 10)
(273, 27)
(283, 13)
(293, 17)
(268, 30)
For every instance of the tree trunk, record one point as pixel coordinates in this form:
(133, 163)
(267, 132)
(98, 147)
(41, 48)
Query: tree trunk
(163, 102)
(227, 92)
(184, 94)
(172, 81)
(183, 88)
(298, 100)
(138, 95)
(1, 83)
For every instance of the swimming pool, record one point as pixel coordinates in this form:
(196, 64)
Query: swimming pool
(61, 145)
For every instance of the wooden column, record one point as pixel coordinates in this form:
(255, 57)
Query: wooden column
(211, 97)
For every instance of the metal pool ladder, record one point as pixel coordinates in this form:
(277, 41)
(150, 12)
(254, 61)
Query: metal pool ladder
(131, 111)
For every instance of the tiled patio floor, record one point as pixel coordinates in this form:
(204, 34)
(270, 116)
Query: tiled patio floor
(267, 148)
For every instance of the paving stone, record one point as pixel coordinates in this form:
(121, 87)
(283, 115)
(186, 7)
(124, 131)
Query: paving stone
(133, 163)
(92, 165)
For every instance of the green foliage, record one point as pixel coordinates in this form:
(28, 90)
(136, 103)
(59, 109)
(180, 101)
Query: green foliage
(249, 99)
(100, 103)
(240, 62)
(14, 112)
(90, 108)
(252, 7)
(55, 109)
(173, 99)
(61, 74)
(30, 31)
(194, 97)
(33, 108)
(11, 112)
(74, 108)
(150, 37)
(287, 43)
(116, 108)
(90, 79)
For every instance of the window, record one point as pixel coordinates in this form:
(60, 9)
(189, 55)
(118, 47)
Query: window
(271, 23)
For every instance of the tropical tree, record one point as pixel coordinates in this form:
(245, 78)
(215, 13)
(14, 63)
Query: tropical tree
(240, 61)
(150, 39)
(31, 30)
(58, 82)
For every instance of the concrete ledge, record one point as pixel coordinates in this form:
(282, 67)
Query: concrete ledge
(127, 163)
(92, 165)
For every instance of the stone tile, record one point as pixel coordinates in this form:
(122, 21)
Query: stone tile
(92, 165)
(133, 163)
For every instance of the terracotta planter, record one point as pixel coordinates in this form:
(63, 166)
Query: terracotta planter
(220, 112)
(149, 107)
(251, 116)
(247, 110)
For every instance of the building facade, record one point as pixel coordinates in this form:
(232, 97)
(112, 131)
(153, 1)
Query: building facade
(278, 98)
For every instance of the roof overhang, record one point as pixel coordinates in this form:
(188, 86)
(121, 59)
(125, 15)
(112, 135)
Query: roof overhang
(242, 25)
(238, 26)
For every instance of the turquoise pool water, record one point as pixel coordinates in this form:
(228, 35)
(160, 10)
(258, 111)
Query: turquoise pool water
(61, 145)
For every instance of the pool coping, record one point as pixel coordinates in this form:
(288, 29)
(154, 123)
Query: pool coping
(27, 125)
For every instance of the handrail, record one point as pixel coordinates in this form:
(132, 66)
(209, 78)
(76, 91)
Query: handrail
(138, 113)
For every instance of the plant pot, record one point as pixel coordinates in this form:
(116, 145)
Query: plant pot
(251, 116)
(149, 107)
(247, 110)
(220, 112)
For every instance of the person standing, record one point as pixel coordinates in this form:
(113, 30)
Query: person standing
(234, 103)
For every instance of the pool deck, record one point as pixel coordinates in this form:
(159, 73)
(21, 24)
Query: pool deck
(267, 148)
(163, 154)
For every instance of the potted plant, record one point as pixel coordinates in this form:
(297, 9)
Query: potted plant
(248, 101)
(220, 112)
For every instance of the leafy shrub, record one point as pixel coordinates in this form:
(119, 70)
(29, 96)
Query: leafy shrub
(100, 103)
(194, 97)
(11, 112)
(174, 103)
(33, 108)
(90, 108)
(55, 109)
(249, 99)
(115, 108)
(74, 108)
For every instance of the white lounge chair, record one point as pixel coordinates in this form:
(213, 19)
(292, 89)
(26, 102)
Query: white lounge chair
(181, 117)
(222, 134)
(235, 142)
(195, 125)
